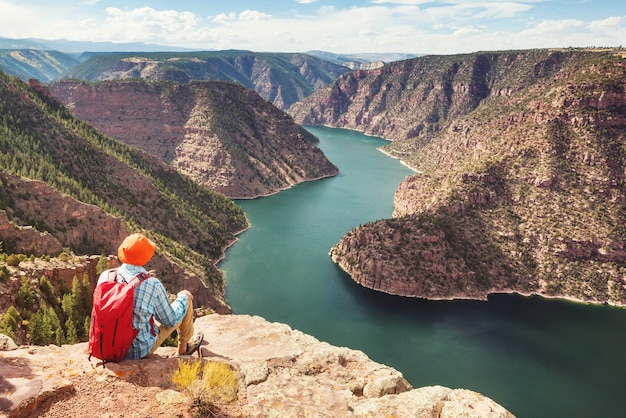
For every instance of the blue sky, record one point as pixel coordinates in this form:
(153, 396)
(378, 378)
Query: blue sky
(340, 26)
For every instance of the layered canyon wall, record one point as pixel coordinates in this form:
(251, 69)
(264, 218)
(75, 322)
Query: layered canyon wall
(222, 135)
(520, 165)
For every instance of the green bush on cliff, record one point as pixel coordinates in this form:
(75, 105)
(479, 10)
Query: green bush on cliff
(10, 321)
(25, 298)
(14, 260)
(4, 274)
(52, 316)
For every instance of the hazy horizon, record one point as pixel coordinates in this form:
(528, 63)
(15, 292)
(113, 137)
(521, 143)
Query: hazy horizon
(337, 26)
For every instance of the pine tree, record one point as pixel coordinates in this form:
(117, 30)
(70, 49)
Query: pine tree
(25, 298)
(68, 304)
(86, 326)
(87, 292)
(39, 328)
(48, 291)
(77, 294)
(71, 335)
(103, 264)
(10, 322)
(59, 336)
(55, 325)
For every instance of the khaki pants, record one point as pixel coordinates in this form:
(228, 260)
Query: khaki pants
(184, 327)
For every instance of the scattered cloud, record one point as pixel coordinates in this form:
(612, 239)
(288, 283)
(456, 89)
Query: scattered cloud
(147, 24)
(248, 15)
(417, 26)
(225, 17)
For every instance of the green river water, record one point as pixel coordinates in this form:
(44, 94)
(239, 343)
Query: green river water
(536, 357)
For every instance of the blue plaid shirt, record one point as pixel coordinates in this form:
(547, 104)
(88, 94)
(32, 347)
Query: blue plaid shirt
(150, 300)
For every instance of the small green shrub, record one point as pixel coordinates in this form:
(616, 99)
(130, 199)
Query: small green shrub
(10, 321)
(13, 260)
(4, 274)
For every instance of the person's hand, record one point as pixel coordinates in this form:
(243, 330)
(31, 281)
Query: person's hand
(186, 292)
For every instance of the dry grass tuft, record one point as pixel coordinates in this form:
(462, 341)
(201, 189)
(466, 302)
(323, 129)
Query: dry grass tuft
(208, 383)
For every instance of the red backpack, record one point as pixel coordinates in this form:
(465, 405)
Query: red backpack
(111, 331)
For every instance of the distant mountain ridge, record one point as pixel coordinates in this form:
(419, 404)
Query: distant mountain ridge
(362, 61)
(40, 64)
(520, 187)
(280, 78)
(77, 47)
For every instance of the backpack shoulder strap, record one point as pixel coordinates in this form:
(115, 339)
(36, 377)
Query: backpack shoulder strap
(112, 275)
(138, 279)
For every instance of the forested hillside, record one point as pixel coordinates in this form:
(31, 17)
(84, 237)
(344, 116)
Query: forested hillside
(41, 140)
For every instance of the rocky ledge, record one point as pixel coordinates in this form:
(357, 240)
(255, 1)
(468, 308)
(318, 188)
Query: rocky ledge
(282, 372)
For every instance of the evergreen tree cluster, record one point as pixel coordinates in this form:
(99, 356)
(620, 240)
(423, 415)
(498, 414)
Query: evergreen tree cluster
(50, 316)
(41, 140)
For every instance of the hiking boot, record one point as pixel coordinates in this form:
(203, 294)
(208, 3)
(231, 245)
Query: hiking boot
(194, 344)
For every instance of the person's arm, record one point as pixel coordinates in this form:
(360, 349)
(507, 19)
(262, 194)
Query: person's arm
(169, 314)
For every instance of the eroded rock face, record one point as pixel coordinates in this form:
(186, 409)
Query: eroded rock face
(220, 134)
(282, 372)
(279, 78)
(519, 164)
(25, 239)
(69, 222)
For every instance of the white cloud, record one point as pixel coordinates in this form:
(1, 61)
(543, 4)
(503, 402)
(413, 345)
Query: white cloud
(617, 23)
(305, 1)
(379, 26)
(225, 17)
(42, 23)
(245, 16)
(248, 15)
(147, 25)
(555, 27)
(410, 2)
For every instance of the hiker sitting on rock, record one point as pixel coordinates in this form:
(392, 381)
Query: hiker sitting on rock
(153, 315)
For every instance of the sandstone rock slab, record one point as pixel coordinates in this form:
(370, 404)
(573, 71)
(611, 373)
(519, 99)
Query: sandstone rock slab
(281, 371)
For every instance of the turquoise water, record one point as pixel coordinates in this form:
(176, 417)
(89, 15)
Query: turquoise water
(536, 357)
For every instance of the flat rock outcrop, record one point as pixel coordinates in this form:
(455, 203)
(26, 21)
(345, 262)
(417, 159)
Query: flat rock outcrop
(281, 371)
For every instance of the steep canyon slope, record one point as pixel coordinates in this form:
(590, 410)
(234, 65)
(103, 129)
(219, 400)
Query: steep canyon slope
(520, 183)
(41, 64)
(61, 177)
(222, 135)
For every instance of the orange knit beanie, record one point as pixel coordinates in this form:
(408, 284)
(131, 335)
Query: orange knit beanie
(136, 249)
